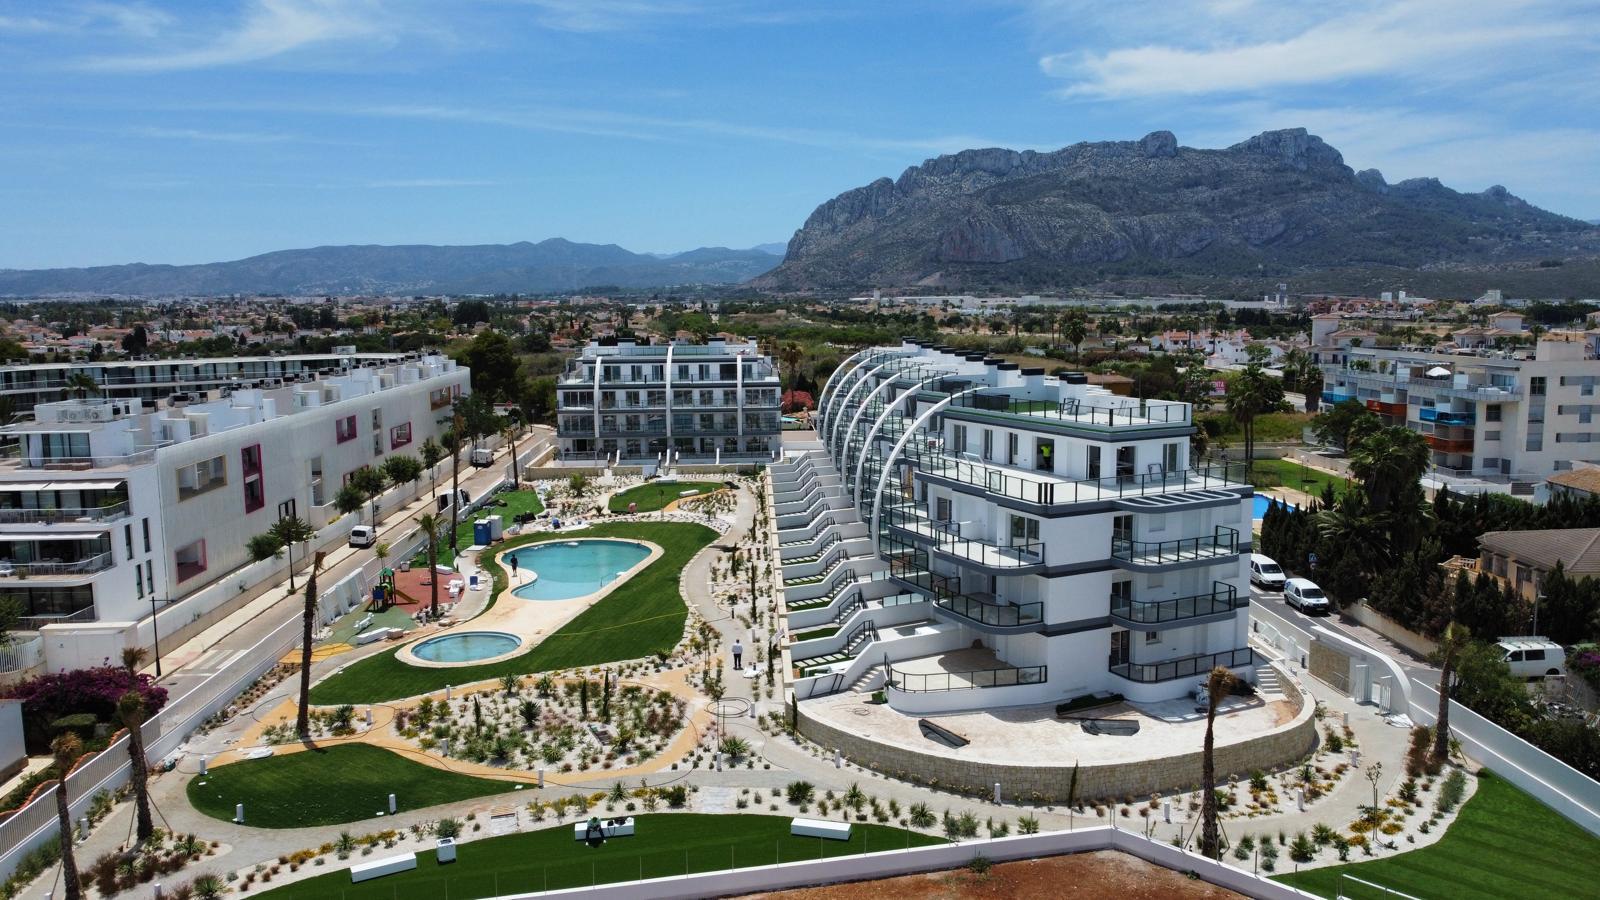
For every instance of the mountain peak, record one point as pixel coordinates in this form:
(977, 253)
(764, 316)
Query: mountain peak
(1294, 147)
(1159, 144)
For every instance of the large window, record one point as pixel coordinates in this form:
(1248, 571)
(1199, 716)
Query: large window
(1024, 530)
(400, 435)
(207, 475)
(189, 560)
(255, 492)
(345, 429)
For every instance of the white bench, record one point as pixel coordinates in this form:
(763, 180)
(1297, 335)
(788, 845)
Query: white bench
(820, 828)
(580, 830)
(378, 868)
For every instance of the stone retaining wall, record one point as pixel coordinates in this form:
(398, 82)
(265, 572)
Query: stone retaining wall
(1051, 782)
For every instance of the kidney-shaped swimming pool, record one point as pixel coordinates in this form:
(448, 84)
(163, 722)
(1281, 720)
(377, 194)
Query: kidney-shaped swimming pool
(567, 569)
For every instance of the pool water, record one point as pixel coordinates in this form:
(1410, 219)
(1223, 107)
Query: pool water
(568, 569)
(466, 646)
(1260, 503)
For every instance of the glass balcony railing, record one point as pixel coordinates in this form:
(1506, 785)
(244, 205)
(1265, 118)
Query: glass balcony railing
(946, 593)
(1447, 417)
(1131, 414)
(86, 566)
(1223, 598)
(1045, 490)
(1223, 541)
(947, 539)
(48, 516)
(1183, 667)
(919, 683)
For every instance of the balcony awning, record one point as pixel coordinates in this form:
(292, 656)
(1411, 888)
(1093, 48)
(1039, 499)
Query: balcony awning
(25, 486)
(83, 486)
(53, 536)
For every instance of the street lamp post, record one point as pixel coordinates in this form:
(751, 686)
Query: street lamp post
(155, 631)
(1538, 595)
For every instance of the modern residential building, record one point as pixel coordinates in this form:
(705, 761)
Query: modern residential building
(151, 378)
(982, 535)
(640, 402)
(1486, 416)
(111, 507)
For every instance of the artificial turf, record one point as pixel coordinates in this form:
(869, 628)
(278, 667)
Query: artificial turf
(516, 503)
(1504, 843)
(329, 786)
(665, 844)
(653, 495)
(643, 616)
(1288, 473)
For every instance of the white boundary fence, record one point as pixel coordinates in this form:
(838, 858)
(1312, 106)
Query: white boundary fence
(1556, 784)
(929, 859)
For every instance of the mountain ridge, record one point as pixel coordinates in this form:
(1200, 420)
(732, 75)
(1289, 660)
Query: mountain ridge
(554, 264)
(1276, 204)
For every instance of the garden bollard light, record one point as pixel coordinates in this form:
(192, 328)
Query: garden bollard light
(1347, 718)
(718, 756)
(202, 765)
(541, 778)
(369, 717)
(1166, 811)
(83, 829)
(1300, 798)
(1355, 759)
(838, 759)
(391, 804)
(997, 792)
(238, 813)
(447, 692)
(158, 892)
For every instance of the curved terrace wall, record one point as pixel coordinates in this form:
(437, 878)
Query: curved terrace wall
(1270, 750)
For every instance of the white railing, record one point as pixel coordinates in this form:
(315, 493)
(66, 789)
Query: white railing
(21, 653)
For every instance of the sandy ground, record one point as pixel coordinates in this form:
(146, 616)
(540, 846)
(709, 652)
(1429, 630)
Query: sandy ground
(1101, 874)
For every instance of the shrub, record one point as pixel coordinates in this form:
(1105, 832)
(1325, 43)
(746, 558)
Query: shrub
(920, 816)
(93, 691)
(1301, 850)
(447, 828)
(799, 793)
(979, 865)
(1027, 824)
(1451, 792)
(1258, 780)
(676, 796)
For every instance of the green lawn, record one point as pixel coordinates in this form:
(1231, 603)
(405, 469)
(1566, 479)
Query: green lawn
(1504, 843)
(331, 786)
(1271, 428)
(516, 503)
(643, 616)
(814, 634)
(653, 495)
(665, 844)
(1288, 473)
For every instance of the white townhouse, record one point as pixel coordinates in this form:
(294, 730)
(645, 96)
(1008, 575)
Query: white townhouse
(109, 504)
(983, 535)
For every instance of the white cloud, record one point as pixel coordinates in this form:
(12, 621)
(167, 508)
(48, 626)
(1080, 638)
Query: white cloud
(269, 28)
(1446, 39)
(430, 183)
(608, 15)
(226, 137)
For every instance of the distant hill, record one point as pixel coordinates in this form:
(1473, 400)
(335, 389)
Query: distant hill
(550, 265)
(1149, 213)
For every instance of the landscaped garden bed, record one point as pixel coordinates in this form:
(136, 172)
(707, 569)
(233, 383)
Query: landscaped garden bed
(653, 495)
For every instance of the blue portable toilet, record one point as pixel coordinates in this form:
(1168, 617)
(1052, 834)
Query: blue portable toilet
(481, 534)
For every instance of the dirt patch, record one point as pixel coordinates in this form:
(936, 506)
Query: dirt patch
(1099, 875)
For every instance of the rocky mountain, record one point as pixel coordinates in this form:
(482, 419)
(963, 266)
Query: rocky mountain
(1279, 204)
(551, 265)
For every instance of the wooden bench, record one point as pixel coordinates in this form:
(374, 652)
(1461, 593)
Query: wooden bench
(820, 828)
(609, 828)
(378, 868)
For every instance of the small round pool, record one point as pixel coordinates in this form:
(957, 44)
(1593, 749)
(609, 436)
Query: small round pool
(567, 569)
(466, 646)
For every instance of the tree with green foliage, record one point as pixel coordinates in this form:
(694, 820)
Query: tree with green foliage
(263, 546)
(496, 371)
(66, 748)
(349, 499)
(1301, 376)
(132, 711)
(1252, 393)
(1219, 683)
(1484, 682)
(371, 482)
(10, 619)
(291, 530)
(1075, 330)
(401, 468)
(1343, 422)
(1388, 462)
(432, 455)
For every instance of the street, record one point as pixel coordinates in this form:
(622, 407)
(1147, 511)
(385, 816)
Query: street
(1417, 669)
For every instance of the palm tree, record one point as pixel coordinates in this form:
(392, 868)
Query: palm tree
(380, 552)
(1352, 525)
(1388, 461)
(429, 523)
(66, 748)
(291, 530)
(81, 385)
(510, 432)
(1218, 683)
(1302, 375)
(790, 355)
(302, 722)
(1451, 640)
(133, 658)
(1075, 329)
(131, 710)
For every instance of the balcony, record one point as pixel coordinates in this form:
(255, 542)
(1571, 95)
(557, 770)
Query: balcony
(53, 516)
(1447, 417)
(1134, 413)
(12, 458)
(1177, 612)
(1223, 542)
(1183, 667)
(1047, 490)
(57, 568)
(1387, 408)
(982, 610)
(954, 677)
(1334, 398)
(1448, 445)
(946, 538)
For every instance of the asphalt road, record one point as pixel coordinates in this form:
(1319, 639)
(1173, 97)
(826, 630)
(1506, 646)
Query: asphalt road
(1273, 600)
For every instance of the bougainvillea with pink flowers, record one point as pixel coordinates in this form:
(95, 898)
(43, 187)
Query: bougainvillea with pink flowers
(51, 696)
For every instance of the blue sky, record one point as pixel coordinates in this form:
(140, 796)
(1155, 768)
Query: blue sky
(192, 132)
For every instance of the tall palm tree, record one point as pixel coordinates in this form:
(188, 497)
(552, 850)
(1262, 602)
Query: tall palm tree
(429, 523)
(308, 620)
(80, 385)
(66, 748)
(1388, 461)
(790, 355)
(1218, 683)
(131, 710)
(1075, 329)
(1451, 640)
(1353, 525)
(510, 432)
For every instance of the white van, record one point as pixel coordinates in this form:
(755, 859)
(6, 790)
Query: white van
(1265, 573)
(1533, 657)
(363, 536)
(1304, 595)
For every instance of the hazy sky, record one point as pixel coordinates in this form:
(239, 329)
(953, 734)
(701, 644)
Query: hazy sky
(198, 131)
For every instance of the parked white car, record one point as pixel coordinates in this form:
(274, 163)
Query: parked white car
(1265, 573)
(363, 536)
(1533, 657)
(1304, 595)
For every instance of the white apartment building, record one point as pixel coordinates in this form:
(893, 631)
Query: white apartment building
(109, 504)
(703, 403)
(982, 535)
(1489, 416)
(150, 378)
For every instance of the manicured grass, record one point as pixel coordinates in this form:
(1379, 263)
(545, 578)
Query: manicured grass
(665, 844)
(653, 495)
(816, 633)
(643, 616)
(516, 503)
(1288, 473)
(1271, 428)
(1504, 843)
(331, 786)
